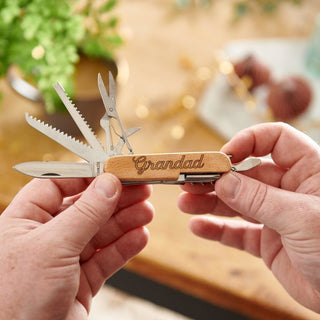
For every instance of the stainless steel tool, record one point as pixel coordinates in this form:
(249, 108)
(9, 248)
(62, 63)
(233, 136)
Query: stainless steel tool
(166, 168)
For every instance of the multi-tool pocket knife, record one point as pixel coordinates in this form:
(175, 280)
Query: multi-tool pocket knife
(166, 168)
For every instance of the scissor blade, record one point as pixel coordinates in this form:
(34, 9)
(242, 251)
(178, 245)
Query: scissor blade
(80, 122)
(56, 169)
(109, 100)
(77, 147)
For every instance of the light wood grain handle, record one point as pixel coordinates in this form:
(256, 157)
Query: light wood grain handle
(166, 166)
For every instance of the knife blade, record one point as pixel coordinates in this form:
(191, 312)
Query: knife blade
(56, 169)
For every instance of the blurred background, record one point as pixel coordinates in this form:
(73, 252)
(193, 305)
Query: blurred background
(190, 73)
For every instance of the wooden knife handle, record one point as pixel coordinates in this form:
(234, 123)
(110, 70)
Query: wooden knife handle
(166, 166)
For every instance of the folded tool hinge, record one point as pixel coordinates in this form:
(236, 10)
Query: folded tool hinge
(202, 178)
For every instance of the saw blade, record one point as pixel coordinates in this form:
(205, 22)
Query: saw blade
(70, 143)
(80, 122)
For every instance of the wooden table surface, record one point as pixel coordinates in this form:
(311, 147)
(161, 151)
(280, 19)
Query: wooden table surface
(163, 51)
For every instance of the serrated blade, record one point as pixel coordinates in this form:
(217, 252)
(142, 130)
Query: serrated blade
(77, 147)
(56, 169)
(81, 123)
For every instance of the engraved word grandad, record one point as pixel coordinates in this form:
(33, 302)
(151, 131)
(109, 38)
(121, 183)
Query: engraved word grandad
(142, 164)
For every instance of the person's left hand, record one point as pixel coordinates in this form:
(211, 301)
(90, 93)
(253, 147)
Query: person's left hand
(279, 202)
(61, 239)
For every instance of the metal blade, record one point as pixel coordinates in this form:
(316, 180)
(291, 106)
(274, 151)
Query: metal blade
(109, 100)
(56, 169)
(81, 123)
(131, 131)
(79, 148)
(105, 125)
(247, 164)
(118, 147)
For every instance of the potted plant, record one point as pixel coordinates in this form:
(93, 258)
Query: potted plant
(45, 40)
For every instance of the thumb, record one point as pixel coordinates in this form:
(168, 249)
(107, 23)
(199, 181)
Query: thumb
(271, 206)
(77, 225)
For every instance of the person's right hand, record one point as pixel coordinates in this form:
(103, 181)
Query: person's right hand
(279, 201)
(61, 239)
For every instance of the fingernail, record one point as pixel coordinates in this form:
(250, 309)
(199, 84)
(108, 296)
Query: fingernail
(230, 185)
(106, 185)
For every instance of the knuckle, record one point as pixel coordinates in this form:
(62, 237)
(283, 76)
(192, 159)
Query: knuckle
(257, 200)
(87, 209)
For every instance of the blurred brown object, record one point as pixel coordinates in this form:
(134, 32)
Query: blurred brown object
(253, 72)
(289, 98)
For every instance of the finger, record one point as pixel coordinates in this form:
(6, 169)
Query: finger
(204, 203)
(196, 202)
(41, 198)
(285, 272)
(48, 193)
(268, 205)
(127, 219)
(262, 242)
(37, 201)
(134, 194)
(71, 187)
(76, 226)
(288, 147)
(267, 172)
(113, 257)
(68, 202)
(207, 203)
(277, 138)
(238, 234)
(197, 188)
(255, 239)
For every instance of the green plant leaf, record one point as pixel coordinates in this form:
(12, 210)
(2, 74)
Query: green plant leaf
(51, 26)
(112, 23)
(109, 5)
